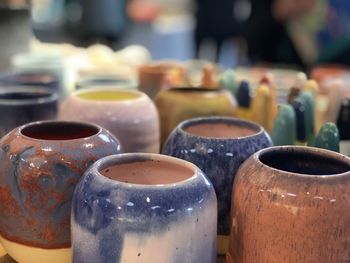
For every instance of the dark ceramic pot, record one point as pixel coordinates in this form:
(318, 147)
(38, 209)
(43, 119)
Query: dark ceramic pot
(291, 204)
(20, 106)
(144, 208)
(41, 163)
(40, 79)
(218, 146)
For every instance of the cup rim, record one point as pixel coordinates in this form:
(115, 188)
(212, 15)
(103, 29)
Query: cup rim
(140, 95)
(51, 96)
(196, 89)
(218, 119)
(305, 150)
(123, 158)
(36, 123)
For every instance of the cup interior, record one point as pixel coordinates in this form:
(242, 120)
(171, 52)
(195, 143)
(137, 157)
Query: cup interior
(108, 95)
(59, 130)
(304, 162)
(218, 128)
(148, 172)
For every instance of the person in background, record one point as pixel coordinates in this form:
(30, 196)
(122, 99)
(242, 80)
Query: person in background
(264, 30)
(214, 22)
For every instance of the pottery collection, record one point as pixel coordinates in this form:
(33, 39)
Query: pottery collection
(19, 106)
(130, 115)
(144, 208)
(111, 157)
(218, 146)
(179, 104)
(290, 204)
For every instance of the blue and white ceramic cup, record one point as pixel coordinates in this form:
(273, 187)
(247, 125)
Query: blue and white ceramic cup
(144, 208)
(218, 146)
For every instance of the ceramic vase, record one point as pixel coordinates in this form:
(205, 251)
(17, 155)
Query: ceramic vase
(218, 146)
(144, 208)
(130, 115)
(328, 137)
(39, 79)
(284, 128)
(19, 106)
(343, 123)
(41, 164)
(179, 104)
(290, 204)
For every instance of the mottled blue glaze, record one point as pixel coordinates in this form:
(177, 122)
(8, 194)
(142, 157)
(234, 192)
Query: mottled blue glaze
(218, 158)
(38, 177)
(106, 213)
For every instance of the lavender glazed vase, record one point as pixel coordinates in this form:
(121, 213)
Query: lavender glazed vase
(130, 115)
(291, 205)
(218, 146)
(41, 163)
(144, 208)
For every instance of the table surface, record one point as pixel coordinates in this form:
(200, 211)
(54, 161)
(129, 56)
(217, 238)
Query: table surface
(8, 259)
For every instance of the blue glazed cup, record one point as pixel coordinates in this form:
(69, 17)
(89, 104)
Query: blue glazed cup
(144, 208)
(218, 146)
(20, 106)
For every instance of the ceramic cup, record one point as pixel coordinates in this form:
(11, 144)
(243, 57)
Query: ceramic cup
(41, 163)
(218, 146)
(144, 208)
(179, 104)
(38, 79)
(19, 106)
(130, 115)
(291, 204)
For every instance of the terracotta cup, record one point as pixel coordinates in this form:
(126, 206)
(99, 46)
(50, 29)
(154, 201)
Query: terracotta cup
(179, 104)
(19, 106)
(144, 208)
(291, 204)
(218, 146)
(41, 163)
(130, 115)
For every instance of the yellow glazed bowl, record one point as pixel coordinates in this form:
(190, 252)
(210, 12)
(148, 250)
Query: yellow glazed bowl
(179, 104)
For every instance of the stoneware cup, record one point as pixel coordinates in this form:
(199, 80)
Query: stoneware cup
(291, 205)
(41, 163)
(19, 106)
(144, 208)
(218, 146)
(130, 115)
(179, 104)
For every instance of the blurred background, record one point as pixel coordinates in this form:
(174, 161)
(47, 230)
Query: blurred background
(297, 33)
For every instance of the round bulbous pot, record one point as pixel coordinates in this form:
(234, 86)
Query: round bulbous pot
(141, 207)
(218, 146)
(41, 163)
(178, 104)
(19, 106)
(291, 204)
(130, 115)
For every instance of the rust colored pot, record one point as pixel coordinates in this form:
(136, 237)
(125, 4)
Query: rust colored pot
(41, 163)
(291, 205)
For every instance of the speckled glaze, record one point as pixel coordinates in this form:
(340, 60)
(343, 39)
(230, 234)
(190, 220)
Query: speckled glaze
(19, 106)
(41, 163)
(179, 104)
(291, 205)
(218, 158)
(116, 221)
(134, 121)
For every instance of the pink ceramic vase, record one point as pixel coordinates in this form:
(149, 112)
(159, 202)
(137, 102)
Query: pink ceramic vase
(130, 115)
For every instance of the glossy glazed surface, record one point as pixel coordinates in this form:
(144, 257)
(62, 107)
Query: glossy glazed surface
(114, 221)
(177, 105)
(290, 204)
(218, 158)
(21, 106)
(130, 115)
(38, 177)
